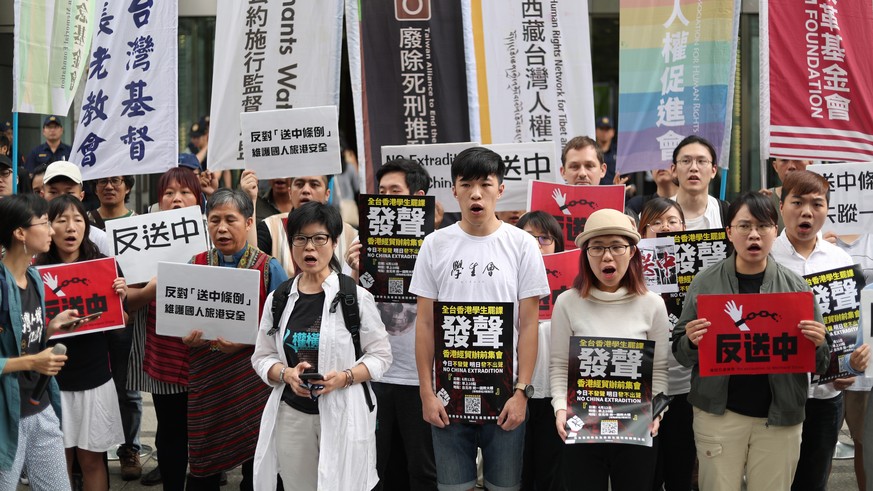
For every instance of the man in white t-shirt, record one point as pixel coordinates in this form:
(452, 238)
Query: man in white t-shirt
(479, 259)
(694, 166)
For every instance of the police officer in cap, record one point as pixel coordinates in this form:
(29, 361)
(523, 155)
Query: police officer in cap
(52, 149)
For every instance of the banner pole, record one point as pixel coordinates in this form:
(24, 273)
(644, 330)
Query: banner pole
(723, 185)
(15, 153)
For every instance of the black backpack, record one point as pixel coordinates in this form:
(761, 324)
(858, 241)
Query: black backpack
(348, 296)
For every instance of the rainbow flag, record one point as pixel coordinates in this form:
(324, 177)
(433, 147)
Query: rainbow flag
(677, 62)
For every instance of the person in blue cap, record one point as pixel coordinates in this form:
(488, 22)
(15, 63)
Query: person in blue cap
(53, 149)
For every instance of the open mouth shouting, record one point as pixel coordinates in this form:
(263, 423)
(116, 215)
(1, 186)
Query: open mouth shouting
(477, 209)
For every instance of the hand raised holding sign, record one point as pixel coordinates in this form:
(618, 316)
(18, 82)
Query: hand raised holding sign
(813, 331)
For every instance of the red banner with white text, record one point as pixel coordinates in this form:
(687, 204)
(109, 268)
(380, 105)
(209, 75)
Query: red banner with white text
(817, 74)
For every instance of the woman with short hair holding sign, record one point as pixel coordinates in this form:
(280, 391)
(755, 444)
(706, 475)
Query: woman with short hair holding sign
(748, 423)
(318, 429)
(608, 299)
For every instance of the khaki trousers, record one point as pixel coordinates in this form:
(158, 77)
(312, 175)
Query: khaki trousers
(730, 444)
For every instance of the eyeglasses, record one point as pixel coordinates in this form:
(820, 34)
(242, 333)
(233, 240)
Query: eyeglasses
(5, 173)
(47, 224)
(672, 222)
(687, 161)
(318, 240)
(745, 228)
(115, 181)
(544, 240)
(615, 250)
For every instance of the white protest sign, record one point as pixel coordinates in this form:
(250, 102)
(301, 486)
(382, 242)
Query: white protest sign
(273, 55)
(850, 206)
(437, 159)
(221, 302)
(292, 142)
(140, 242)
(525, 162)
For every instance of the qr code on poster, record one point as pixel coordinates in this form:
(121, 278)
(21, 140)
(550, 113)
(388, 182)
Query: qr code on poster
(609, 427)
(472, 405)
(395, 286)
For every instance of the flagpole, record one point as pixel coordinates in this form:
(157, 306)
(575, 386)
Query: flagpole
(723, 186)
(14, 153)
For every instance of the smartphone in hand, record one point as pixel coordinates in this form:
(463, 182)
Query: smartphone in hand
(67, 326)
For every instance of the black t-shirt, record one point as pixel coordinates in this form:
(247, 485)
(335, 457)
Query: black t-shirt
(750, 395)
(32, 334)
(301, 344)
(87, 365)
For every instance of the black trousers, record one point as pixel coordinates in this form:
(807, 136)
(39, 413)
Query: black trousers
(171, 439)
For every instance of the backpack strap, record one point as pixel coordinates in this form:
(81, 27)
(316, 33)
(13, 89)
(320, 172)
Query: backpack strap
(280, 299)
(348, 296)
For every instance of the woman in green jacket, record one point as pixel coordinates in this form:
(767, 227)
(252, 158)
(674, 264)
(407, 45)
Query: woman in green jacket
(747, 422)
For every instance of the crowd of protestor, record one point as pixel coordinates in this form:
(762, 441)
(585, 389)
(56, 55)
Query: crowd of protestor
(336, 400)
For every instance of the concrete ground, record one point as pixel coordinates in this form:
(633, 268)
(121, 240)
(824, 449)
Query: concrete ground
(842, 475)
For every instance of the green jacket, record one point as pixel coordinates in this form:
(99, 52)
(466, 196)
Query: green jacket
(10, 347)
(710, 394)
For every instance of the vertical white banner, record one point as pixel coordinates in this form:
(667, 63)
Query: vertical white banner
(276, 55)
(129, 118)
(533, 70)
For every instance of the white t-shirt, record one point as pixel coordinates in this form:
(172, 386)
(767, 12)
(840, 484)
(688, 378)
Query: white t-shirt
(99, 238)
(711, 218)
(505, 266)
(824, 257)
(399, 320)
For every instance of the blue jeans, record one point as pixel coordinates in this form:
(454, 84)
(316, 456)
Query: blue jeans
(130, 405)
(821, 428)
(455, 449)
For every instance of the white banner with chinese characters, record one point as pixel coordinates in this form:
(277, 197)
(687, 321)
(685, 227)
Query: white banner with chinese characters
(437, 159)
(533, 161)
(292, 142)
(50, 53)
(140, 242)
(532, 64)
(128, 122)
(850, 206)
(221, 302)
(270, 55)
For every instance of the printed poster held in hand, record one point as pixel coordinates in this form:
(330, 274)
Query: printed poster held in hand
(292, 142)
(609, 390)
(473, 358)
(838, 295)
(394, 228)
(140, 242)
(755, 334)
(221, 302)
(572, 205)
(86, 287)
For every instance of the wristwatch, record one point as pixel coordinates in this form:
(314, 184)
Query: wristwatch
(527, 389)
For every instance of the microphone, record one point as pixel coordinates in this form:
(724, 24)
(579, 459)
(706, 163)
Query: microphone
(42, 383)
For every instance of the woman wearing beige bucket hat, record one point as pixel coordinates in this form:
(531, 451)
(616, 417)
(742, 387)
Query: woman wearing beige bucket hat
(608, 299)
